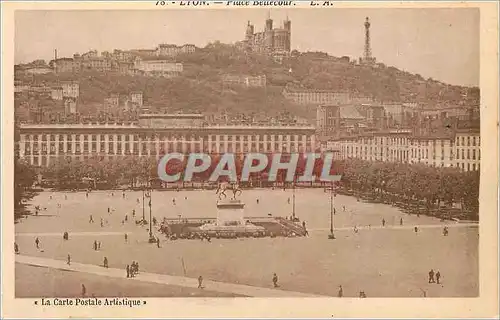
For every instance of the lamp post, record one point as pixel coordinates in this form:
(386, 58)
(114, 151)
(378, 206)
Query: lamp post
(152, 239)
(143, 191)
(332, 212)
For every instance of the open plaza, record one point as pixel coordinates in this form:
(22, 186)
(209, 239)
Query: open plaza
(383, 261)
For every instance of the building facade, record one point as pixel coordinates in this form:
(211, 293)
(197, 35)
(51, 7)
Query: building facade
(160, 67)
(460, 149)
(154, 136)
(244, 80)
(172, 50)
(271, 40)
(468, 149)
(313, 96)
(70, 89)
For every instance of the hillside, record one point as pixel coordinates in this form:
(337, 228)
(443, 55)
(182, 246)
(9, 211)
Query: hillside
(199, 88)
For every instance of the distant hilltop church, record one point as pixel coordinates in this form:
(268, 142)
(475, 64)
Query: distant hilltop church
(271, 41)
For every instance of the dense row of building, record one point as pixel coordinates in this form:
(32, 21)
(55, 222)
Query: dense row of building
(460, 148)
(351, 126)
(155, 135)
(157, 62)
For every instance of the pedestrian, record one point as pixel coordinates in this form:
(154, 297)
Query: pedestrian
(16, 248)
(95, 245)
(136, 267)
(400, 221)
(132, 269)
(431, 276)
(84, 290)
(133, 213)
(341, 292)
(128, 271)
(275, 280)
(109, 211)
(91, 220)
(438, 276)
(105, 262)
(158, 242)
(445, 231)
(343, 208)
(99, 245)
(37, 243)
(416, 229)
(69, 260)
(126, 237)
(126, 217)
(200, 282)
(362, 294)
(102, 223)
(383, 222)
(65, 197)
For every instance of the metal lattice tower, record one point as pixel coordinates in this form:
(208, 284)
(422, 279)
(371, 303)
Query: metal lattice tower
(368, 51)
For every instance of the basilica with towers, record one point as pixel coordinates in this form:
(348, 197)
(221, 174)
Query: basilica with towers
(276, 41)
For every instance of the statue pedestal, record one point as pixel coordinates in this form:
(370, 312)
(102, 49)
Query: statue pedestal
(230, 213)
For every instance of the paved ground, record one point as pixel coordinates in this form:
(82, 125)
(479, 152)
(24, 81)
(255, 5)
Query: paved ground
(384, 262)
(42, 282)
(234, 289)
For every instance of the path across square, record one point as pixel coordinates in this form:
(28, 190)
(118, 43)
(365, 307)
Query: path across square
(244, 290)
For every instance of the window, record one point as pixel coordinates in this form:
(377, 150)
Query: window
(468, 154)
(474, 154)
(468, 141)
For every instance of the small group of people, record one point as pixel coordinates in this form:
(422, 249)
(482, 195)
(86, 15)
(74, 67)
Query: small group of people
(437, 276)
(97, 245)
(132, 269)
(340, 293)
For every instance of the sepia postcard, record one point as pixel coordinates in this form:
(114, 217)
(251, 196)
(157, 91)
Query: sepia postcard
(257, 159)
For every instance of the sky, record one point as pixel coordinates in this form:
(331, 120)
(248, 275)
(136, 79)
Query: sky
(438, 43)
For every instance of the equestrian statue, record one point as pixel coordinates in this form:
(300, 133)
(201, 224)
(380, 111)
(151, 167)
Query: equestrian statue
(224, 186)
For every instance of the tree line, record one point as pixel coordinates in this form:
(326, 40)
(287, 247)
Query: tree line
(431, 187)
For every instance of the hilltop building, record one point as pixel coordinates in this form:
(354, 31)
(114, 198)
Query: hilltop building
(276, 41)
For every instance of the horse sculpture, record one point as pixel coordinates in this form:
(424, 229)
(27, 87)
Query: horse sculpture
(222, 187)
